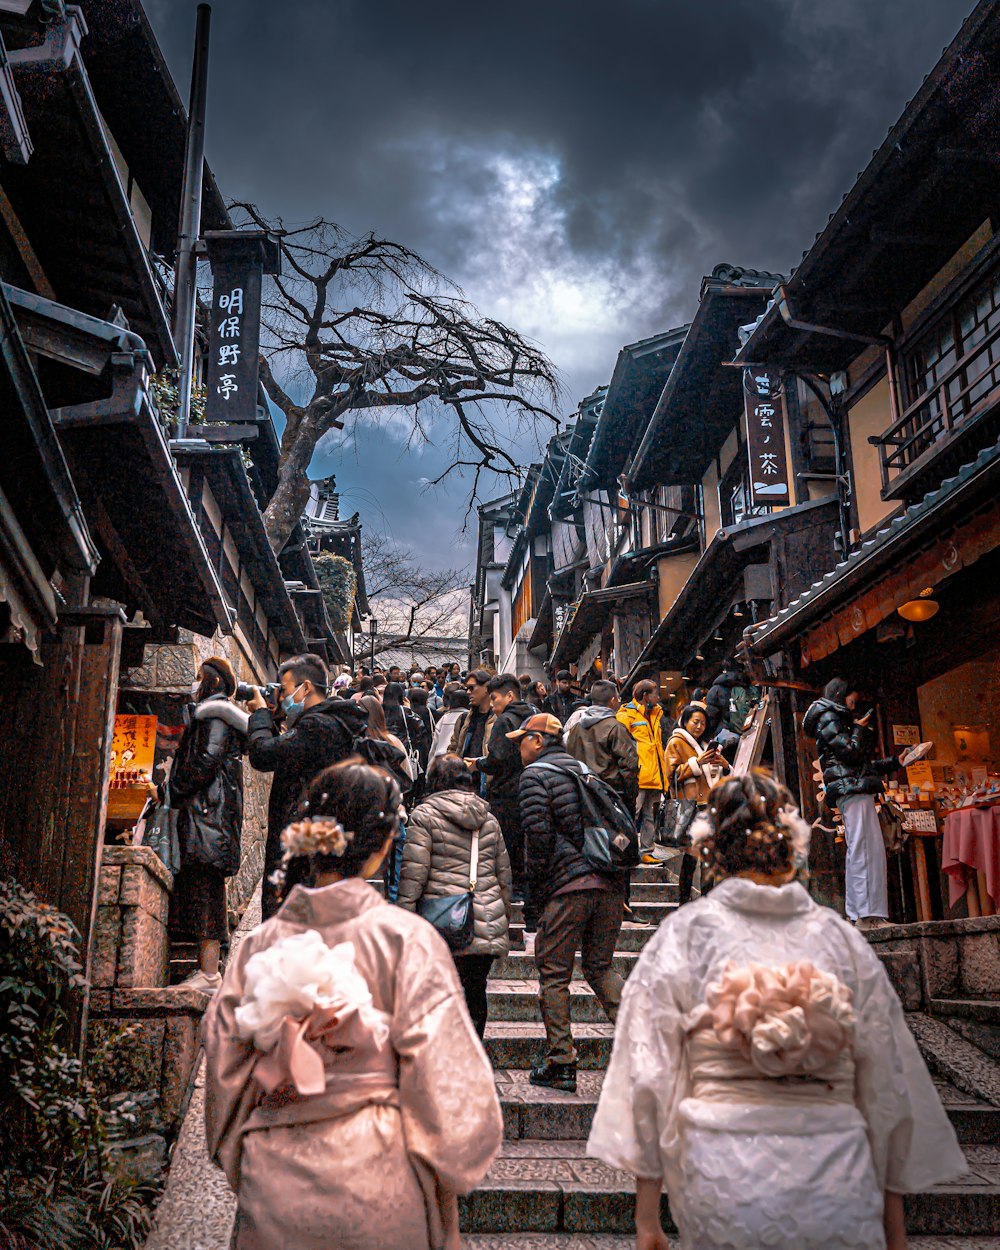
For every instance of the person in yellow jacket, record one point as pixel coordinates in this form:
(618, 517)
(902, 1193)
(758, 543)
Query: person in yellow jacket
(642, 717)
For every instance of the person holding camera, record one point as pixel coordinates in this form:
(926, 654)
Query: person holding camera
(692, 767)
(853, 779)
(318, 732)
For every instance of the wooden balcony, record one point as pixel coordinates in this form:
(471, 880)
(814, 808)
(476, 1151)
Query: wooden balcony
(962, 399)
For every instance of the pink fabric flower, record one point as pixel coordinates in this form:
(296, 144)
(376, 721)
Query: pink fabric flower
(786, 1021)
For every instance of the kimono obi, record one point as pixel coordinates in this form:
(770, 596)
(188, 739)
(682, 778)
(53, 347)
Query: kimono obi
(775, 1036)
(346, 1093)
(720, 1073)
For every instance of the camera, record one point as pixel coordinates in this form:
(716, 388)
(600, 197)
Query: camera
(268, 693)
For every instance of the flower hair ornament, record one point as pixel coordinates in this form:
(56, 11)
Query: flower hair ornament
(313, 835)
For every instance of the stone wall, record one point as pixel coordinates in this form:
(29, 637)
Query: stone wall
(130, 946)
(941, 960)
(170, 669)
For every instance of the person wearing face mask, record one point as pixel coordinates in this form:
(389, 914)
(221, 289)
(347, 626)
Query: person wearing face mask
(318, 732)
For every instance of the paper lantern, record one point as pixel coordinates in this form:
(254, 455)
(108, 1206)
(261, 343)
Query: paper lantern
(919, 609)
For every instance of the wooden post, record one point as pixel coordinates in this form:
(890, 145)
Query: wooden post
(58, 721)
(987, 906)
(924, 909)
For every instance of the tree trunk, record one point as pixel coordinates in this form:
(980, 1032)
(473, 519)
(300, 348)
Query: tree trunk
(289, 501)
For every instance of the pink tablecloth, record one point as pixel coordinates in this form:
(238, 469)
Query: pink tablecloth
(972, 840)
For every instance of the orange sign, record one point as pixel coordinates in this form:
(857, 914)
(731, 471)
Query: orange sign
(132, 751)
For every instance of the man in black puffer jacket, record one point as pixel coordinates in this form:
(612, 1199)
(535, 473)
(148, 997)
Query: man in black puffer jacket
(572, 906)
(501, 766)
(320, 732)
(852, 780)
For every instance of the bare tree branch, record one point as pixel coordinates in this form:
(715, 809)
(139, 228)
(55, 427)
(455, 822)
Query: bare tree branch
(410, 601)
(365, 324)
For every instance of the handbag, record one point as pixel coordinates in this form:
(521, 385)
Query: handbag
(161, 833)
(413, 758)
(676, 818)
(891, 819)
(454, 916)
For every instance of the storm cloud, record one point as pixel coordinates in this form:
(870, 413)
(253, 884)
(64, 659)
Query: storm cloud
(576, 166)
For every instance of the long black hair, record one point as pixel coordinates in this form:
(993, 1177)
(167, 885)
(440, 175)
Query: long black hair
(365, 800)
(392, 707)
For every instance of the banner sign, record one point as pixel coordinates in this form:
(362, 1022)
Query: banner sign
(766, 439)
(132, 750)
(239, 259)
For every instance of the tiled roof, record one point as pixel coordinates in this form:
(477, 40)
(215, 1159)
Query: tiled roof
(898, 526)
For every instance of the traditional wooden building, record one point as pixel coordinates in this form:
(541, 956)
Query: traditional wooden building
(609, 621)
(737, 547)
(125, 556)
(892, 322)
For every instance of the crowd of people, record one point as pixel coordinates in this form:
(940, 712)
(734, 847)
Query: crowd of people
(349, 1097)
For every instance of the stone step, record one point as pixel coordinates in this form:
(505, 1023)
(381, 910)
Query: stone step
(533, 1112)
(982, 1010)
(955, 1059)
(631, 938)
(551, 1186)
(522, 967)
(518, 1045)
(609, 1241)
(653, 910)
(518, 1000)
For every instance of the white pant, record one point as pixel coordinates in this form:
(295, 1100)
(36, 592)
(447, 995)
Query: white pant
(865, 884)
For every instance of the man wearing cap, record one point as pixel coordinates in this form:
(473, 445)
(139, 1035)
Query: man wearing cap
(571, 906)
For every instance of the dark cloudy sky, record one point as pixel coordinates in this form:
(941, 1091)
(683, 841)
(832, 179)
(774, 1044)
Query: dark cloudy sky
(576, 165)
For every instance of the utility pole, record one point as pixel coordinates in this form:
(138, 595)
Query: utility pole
(189, 224)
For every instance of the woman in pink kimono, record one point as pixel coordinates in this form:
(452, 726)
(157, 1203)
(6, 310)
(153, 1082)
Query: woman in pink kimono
(348, 1098)
(762, 1068)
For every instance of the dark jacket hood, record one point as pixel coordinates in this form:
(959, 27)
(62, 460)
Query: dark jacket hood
(355, 718)
(520, 711)
(810, 721)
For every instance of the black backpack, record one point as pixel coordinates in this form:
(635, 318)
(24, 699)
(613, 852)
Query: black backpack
(610, 839)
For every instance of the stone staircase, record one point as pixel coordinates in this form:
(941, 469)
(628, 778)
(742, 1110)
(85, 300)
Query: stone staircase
(543, 1193)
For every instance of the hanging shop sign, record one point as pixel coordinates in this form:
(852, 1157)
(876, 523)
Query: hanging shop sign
(769, 485)
(239, 260)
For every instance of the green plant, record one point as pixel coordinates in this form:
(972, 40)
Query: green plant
(164, 389)
(339, 583)
(55, 1189)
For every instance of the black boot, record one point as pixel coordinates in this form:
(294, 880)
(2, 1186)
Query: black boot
(688, 865)
(554, 1076)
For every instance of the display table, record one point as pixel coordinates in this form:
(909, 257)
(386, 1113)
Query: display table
(972, 842)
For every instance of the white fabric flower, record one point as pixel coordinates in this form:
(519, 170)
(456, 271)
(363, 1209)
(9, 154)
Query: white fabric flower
(295, 976)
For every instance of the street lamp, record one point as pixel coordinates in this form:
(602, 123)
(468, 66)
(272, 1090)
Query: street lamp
(372, 631)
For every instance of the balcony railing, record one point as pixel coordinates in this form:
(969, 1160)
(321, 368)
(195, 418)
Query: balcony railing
(969, 388)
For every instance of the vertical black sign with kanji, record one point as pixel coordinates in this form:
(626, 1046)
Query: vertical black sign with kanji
(766, 439)
(234, 333)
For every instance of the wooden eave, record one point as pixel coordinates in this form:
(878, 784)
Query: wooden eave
(223, 468)
(703, 397)
(925, 192)
(86, 242)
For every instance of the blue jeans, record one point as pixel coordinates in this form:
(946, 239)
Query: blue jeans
(394, 865)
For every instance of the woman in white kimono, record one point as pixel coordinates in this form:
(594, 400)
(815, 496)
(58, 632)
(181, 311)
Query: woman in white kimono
(348, 1098)
(762, 1067)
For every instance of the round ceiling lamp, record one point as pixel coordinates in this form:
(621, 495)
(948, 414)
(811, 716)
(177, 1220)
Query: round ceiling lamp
(920, 609)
